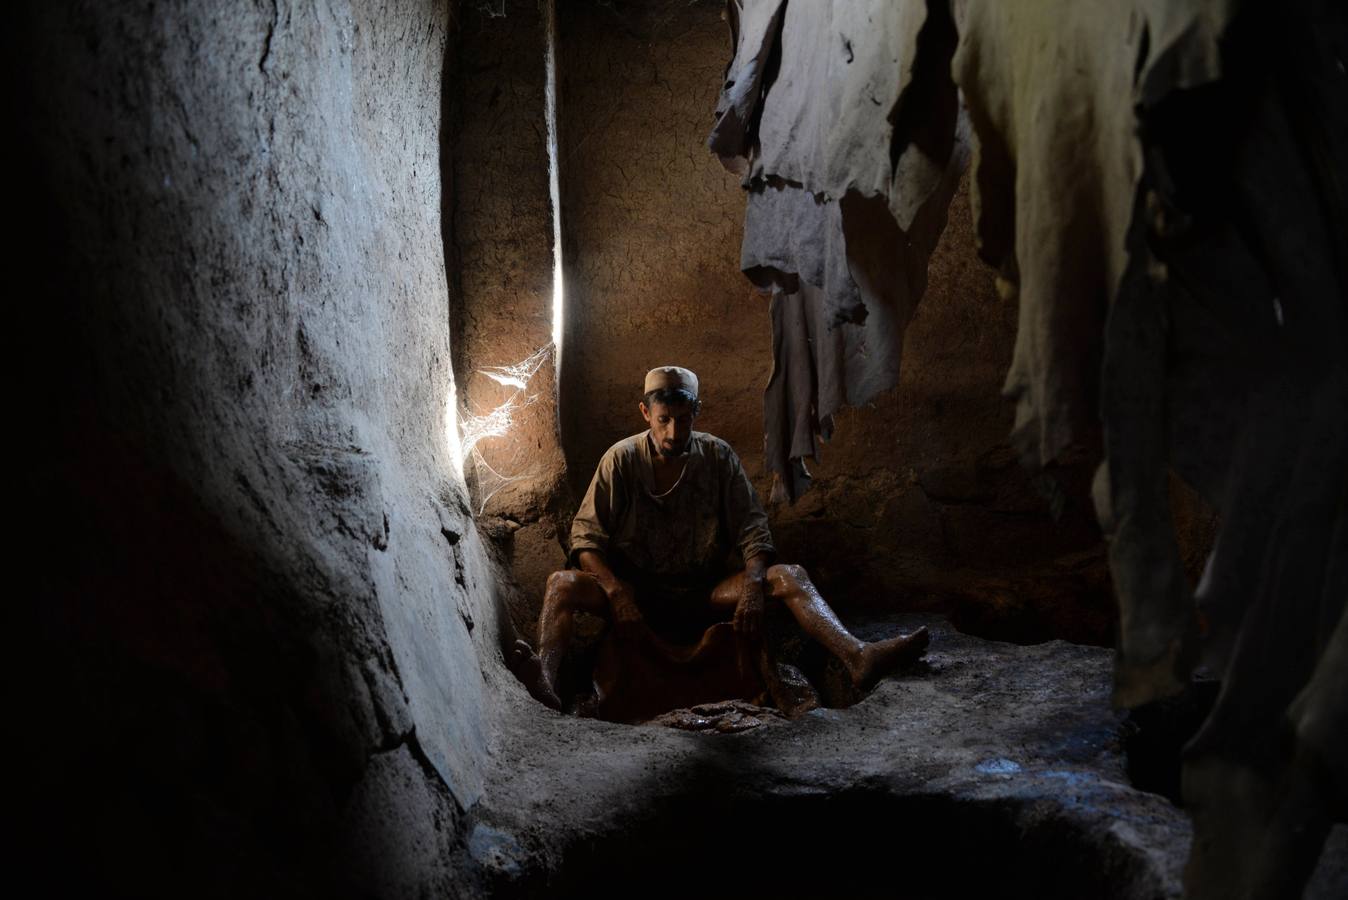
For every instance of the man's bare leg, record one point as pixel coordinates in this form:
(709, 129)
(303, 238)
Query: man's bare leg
(567, 593)
(866, 663)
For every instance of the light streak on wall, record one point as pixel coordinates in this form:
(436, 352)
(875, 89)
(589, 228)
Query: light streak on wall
(452, 428)
(554, 186)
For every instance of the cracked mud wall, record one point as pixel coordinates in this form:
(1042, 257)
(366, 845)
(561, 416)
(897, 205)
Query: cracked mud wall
(919, 501)
(261, 603)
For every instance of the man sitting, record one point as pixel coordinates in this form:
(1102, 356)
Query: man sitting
(651, 540)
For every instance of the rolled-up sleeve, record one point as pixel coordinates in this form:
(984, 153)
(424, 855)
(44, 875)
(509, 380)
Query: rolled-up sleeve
(594, 521)
(745, 518)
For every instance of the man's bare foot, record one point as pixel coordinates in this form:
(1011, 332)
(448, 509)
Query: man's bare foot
(877, 660)
(528, 668)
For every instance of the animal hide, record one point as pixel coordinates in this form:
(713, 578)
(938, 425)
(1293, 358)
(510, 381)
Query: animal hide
(1160, 184)
(844, 206)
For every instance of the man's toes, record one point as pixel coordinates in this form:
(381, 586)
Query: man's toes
(519, 656)
(528, 668)
(883, 657)
(919, 640)
(540, 691)
(545, 695)
(907, 648)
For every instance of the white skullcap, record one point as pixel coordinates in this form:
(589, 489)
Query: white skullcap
(662, 377)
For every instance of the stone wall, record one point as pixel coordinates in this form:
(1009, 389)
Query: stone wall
(265, 621)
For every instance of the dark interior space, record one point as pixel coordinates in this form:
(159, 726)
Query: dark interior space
(328, 313)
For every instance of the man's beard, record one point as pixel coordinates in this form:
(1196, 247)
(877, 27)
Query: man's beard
(671, 452)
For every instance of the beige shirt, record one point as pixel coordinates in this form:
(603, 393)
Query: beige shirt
(683, 537)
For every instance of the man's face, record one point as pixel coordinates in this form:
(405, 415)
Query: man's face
(671, 425)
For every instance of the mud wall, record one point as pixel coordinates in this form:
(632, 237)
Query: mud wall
(651, 227)
(261, 602)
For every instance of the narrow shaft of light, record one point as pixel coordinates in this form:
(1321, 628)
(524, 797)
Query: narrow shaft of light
(452, 428)
(554, 185)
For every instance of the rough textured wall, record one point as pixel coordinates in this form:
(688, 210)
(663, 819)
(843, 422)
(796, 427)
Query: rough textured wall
(651, 227)
(919, 500)
(504, 239)
(261, 627)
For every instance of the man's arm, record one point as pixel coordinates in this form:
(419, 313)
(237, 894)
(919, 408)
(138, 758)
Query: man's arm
(747, 521)
(590, 537)
(756, 568)
(744, 516)
(619, 593)
(749, 611)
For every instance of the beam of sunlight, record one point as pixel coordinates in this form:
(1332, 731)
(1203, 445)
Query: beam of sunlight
(554, 185)
(452, 428)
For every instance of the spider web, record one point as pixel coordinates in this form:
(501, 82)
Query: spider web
(497, 422)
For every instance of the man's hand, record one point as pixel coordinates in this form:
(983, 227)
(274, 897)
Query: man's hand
(749, 612)
(621, 602)
(621, 599)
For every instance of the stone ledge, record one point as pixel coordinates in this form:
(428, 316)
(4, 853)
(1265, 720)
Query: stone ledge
(998, 767)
